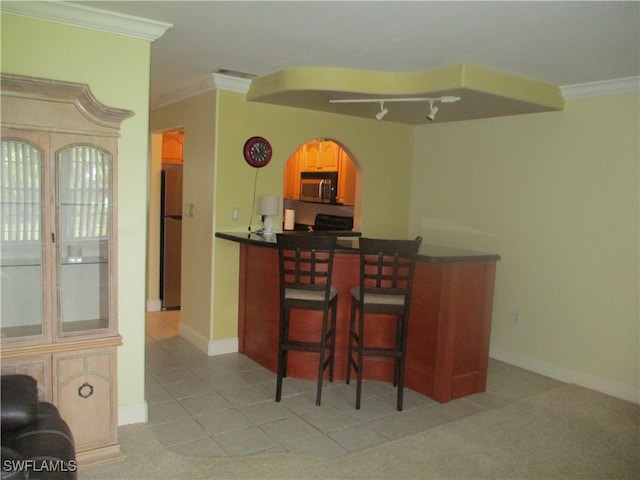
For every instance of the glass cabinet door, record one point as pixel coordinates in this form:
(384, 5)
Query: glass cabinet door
(83, 221)
(21, 246)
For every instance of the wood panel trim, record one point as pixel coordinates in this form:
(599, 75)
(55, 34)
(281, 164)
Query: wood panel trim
(62, 347)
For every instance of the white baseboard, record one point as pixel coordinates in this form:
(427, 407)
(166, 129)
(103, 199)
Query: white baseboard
(138, 412)
(133, 413)
(608, 387)
(220, 347)
(190, 335)
(206, 345)
(154, 305)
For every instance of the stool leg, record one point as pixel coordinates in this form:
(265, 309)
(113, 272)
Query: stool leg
(396, 358)
(323, 350)
(282, 353)
(352, 323)
(332, 348)
(359, 349)
(402, 359)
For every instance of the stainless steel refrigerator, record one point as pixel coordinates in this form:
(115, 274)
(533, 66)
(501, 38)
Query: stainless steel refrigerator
(171, 236)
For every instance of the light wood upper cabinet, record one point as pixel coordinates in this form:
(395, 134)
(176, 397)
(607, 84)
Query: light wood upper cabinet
(292, 176)
(346, 180)
(172, 148)
(321, 155)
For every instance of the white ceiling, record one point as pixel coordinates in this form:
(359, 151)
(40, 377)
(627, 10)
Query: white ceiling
(562, 43)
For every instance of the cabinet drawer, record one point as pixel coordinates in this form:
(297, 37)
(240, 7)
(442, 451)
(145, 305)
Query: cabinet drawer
(36, 367)
(86, 394)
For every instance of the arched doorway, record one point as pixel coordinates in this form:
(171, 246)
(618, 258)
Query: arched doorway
(314, 163)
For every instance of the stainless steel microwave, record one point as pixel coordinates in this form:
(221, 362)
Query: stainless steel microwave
(319, 187)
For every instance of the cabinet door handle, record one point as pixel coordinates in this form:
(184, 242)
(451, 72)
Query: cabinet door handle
(85, 390)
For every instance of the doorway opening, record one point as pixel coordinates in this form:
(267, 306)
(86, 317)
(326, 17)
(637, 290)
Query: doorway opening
(164, 236)
(171, 219)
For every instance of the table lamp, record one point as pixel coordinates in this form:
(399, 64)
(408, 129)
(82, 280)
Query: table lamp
(269, 206)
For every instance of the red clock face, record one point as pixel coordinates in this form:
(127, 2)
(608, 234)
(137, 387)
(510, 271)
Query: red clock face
(257, 152)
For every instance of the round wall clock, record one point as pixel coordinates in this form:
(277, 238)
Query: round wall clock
(257, 152)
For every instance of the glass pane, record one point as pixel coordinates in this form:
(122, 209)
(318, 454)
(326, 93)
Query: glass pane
(83, 222)
(21, 279)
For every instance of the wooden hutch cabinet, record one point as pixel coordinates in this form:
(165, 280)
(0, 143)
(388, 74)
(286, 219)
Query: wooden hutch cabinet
(58, 263)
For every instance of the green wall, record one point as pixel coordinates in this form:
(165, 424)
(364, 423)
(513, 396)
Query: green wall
(556, 195)
(105, 62)
(382, 151)
(217, 179)
(197, 116)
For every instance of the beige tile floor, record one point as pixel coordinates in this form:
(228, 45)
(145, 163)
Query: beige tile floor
(224, 405)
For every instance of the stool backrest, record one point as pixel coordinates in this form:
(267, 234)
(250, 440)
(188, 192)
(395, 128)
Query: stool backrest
(306, 262)
(387, 267)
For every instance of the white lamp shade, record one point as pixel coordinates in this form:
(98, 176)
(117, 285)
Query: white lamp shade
(269, 205)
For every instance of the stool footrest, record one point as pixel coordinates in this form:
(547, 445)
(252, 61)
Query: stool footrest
(303, 346)
(380, 352)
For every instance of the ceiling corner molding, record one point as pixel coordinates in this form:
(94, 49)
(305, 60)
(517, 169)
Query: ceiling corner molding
(605, 87)
(233, 84)
(201, 85)
(88, 17)
(204, 84)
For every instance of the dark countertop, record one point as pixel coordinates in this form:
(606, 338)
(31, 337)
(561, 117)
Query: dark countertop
(308, 229)
(427, 253)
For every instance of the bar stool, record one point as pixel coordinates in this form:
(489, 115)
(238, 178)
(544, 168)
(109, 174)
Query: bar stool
(306, 263)
(386, 279)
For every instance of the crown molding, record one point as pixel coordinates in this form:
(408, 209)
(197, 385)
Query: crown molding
(241, 85)
(213, 81)
(605, 87)
(196, 87)
(88, 17)
(231, 83)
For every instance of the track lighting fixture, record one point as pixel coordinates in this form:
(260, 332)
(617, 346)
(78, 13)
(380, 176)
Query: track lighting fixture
(432, 111)
(431, 114)
(383, 111)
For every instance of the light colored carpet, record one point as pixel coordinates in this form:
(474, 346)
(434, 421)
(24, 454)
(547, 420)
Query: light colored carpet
(567, 432)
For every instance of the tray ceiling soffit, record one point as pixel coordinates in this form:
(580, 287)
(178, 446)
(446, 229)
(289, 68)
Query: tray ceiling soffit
(483, 93)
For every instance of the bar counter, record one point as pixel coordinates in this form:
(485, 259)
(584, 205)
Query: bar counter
(449, 321)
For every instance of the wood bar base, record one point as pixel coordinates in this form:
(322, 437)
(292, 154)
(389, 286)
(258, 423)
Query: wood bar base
(449, 324)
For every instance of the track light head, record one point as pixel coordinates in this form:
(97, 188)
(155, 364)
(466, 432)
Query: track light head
(383, 111)
(431, 115)
(432, 111)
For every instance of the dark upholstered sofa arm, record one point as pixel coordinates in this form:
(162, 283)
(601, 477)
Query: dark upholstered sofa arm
(36, 442)
(19, 401)
(10, 458)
